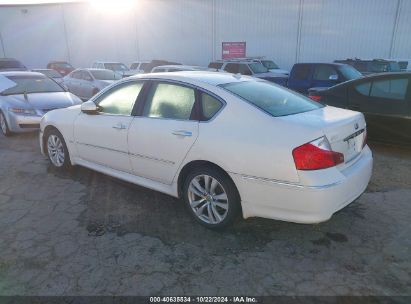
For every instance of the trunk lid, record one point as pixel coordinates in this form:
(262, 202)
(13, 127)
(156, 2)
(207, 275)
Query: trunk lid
(344, 129)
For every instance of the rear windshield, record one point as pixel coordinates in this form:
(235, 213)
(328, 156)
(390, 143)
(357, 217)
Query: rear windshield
(10, 64)
(49, 73)
(105, 75)
(273, 99)
(32, 84)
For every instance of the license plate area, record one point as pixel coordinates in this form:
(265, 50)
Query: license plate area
(353, 145)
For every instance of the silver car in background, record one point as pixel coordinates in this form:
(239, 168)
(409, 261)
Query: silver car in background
(25, 97)
(86, 83)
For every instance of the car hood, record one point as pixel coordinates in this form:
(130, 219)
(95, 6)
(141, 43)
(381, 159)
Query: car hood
(43, 101)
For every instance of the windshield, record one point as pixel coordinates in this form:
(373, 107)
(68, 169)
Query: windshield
(10, 64)
(269, 64)
(105, 75)
(257, 67)
(349, 72)
(116, 66)
(32, 84)
(49, 73)
(271, 98)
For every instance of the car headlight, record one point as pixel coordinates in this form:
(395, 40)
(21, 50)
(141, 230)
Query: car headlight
(23, 111)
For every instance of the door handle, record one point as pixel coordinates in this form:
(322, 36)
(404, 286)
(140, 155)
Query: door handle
(182, 133)
(119, 126)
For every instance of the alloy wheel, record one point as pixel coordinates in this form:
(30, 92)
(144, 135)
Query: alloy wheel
(3, 124)
(55, 150)
(208, 199)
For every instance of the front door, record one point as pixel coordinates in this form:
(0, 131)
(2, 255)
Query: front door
(102, 138)
(160, 139)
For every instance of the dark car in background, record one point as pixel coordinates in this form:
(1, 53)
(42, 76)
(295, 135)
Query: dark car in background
(372, 66)
(304, 76)
(63, 67)
(11, 64)
(385, 100)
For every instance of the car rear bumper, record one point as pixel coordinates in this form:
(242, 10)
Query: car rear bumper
(23, 123)
(303, 204)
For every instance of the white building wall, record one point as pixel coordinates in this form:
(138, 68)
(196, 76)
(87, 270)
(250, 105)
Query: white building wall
(191, 31)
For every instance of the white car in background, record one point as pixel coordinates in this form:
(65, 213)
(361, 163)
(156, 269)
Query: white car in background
(226, 144)
(88, 82)
(179, 68)
(138, 67)
(116, 67)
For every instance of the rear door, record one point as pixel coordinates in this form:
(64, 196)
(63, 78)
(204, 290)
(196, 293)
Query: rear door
(161, 136)
(387, 108)
(300, 78)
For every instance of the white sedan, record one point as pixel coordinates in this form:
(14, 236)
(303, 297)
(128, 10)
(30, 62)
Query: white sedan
(226, 144)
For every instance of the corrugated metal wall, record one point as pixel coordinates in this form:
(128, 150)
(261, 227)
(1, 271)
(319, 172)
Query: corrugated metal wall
(191, 31)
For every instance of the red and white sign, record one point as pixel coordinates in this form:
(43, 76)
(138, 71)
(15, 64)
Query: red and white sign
(233, 50)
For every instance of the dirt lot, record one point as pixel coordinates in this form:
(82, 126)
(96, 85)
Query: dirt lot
(83, 233)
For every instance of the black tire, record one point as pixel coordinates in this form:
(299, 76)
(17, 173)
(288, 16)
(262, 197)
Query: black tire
(6, 131)
(226, 186)
(66, 164)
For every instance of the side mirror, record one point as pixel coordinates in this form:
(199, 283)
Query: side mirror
(333, 77)
(89, 107)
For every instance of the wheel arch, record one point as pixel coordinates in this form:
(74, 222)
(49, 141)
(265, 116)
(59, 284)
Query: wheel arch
(47, 129)
(188, 167)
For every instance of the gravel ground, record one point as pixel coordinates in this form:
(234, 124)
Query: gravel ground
(84, 233)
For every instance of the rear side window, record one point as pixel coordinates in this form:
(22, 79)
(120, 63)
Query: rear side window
(215, 65)
(391, 88)
(301, 72)
(271, 98)
(324, 72)
(210, 106)
(169, 101)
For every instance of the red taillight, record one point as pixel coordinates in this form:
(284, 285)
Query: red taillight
(316, 155)
(364, 143)
(315, 97)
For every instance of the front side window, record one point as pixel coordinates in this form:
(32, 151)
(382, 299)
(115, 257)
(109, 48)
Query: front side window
(271, 98)
(105, 75)
(232, 68)
(169, 101)
(257, 67)
(134, 66)
(244, 69)
(86, 76)
(210, 106)
(32, 84)
(215, 65)
(269, 64)
(324, 72)
(120, 99)
(390, 89)
(116, 66)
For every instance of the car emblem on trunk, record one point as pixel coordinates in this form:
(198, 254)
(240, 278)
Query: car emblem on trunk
(356, 126)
